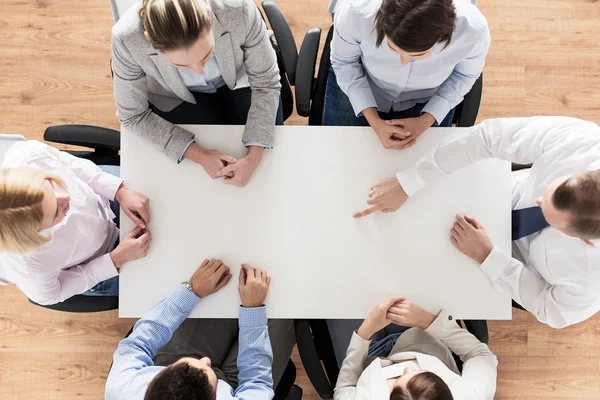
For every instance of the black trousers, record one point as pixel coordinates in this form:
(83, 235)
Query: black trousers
(225, 107)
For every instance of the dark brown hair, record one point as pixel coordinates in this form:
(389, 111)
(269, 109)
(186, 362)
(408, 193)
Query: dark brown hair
(580, 196)
(174, 24)
(423, 386)
(180, 382)
(415, 25)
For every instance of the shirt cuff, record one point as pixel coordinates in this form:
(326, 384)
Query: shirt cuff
(266, 146)
(104, 268)
(106, 185)
(438, 107)
(410, 180)
(495, 263)
(192, 140)
(440, 323)
(253, 317)
(361, 99)
(184, 298)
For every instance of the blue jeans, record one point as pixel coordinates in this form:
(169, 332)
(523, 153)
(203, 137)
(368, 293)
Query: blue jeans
(338, 111)
(109, 287)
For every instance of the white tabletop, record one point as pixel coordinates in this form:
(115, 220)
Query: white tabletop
(294, 219)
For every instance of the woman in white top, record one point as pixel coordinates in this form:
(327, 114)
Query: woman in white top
(57, 235)
(416, 362)
(402, 66)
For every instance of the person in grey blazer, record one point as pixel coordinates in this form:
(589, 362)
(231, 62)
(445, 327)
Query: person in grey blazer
(197, 62)
(402, 351)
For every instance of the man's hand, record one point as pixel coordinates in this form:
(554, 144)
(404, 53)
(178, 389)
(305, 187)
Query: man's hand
(392, 137)
(254, 285)
(210, 277)
(385, 196)
(135, 205)
(468, 236)
(240, 172)
(416, 126)
(212, 161)
(406, 313)
(133, 247)
(377, 318)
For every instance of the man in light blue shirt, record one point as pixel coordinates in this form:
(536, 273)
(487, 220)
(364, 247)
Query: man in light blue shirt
(198, 360)
(409, 62)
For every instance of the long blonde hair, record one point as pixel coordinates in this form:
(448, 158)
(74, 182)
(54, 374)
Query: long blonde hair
(21, 214)
(174, 24)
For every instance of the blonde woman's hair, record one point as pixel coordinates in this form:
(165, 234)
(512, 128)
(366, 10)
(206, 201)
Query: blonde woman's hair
(174, 24)
(21, 213)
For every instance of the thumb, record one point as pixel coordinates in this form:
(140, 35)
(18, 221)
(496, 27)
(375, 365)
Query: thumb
(134, 217)
(242, 277)
(392, 121)
(135, 233)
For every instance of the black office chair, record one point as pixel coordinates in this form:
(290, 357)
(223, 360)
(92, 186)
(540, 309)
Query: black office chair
(105, 144)
(318, 357)
(310, 90)
(285, 390)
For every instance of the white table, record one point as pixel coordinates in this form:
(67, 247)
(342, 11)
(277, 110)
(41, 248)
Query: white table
(294, 219)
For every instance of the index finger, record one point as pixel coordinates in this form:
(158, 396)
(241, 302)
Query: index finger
(367, 211)
(462, 222)
(399, 131)
(135, 232)
(228, 159)
(473, 222)
(134, 217)
(144, 212)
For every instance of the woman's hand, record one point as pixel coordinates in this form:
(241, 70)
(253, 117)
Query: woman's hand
(377, 318)
(212, 161)
(391, 136)
(133, 247)
(416, 126)
(239, 173)
(135, 205)
(406, 313)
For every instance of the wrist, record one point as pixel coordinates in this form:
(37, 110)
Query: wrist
(116, 258)
(365, 332)
(428, 321)
(120, 191)
(255, 153)
(371, 116)
(484, 254)
(427, 118)
(195, 153)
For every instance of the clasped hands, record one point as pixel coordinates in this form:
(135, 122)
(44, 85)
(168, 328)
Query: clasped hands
(396, 310)
(235, 172)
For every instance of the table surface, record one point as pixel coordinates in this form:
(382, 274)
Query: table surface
(294, 219)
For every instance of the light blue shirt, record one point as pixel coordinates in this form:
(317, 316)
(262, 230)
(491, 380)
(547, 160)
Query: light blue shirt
(207, 83)
(133, 368)
(373, 76)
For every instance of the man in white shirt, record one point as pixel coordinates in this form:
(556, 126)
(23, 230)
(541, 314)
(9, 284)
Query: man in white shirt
(554, 271)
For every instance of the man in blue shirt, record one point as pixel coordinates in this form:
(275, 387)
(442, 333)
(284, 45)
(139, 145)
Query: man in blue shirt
(198, 360)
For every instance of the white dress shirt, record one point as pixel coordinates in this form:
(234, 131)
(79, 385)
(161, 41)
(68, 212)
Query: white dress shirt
(373, 76)
(209, 82)
(554, 276)
(76, 258)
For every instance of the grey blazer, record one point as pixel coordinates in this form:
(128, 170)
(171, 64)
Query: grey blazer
(142, 75)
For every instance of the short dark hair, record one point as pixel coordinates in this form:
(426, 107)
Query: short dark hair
(580, 196)
(423, 386)
(415, 25)
(180, 382)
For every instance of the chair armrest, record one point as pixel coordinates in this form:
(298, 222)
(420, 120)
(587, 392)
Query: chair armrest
(305, 71)
(470, 105)
(307, 348)
(318, 97)
(98, 138)
(284, 38)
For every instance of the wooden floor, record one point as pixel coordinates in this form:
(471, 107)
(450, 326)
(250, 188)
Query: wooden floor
(54, 69)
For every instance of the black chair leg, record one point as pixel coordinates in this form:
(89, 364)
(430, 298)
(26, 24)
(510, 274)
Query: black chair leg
(286, 382)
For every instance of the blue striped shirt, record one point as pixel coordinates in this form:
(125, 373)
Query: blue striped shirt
(133, 368)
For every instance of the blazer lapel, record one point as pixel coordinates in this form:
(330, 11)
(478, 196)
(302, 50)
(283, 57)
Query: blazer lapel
(171, 76)
(224, 54)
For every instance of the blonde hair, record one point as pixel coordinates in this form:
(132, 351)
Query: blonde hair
(21, 214)
(174, 24)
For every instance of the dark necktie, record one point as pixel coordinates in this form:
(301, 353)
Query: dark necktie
(527, 221)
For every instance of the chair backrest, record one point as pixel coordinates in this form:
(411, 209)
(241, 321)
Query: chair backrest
(119, 7)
